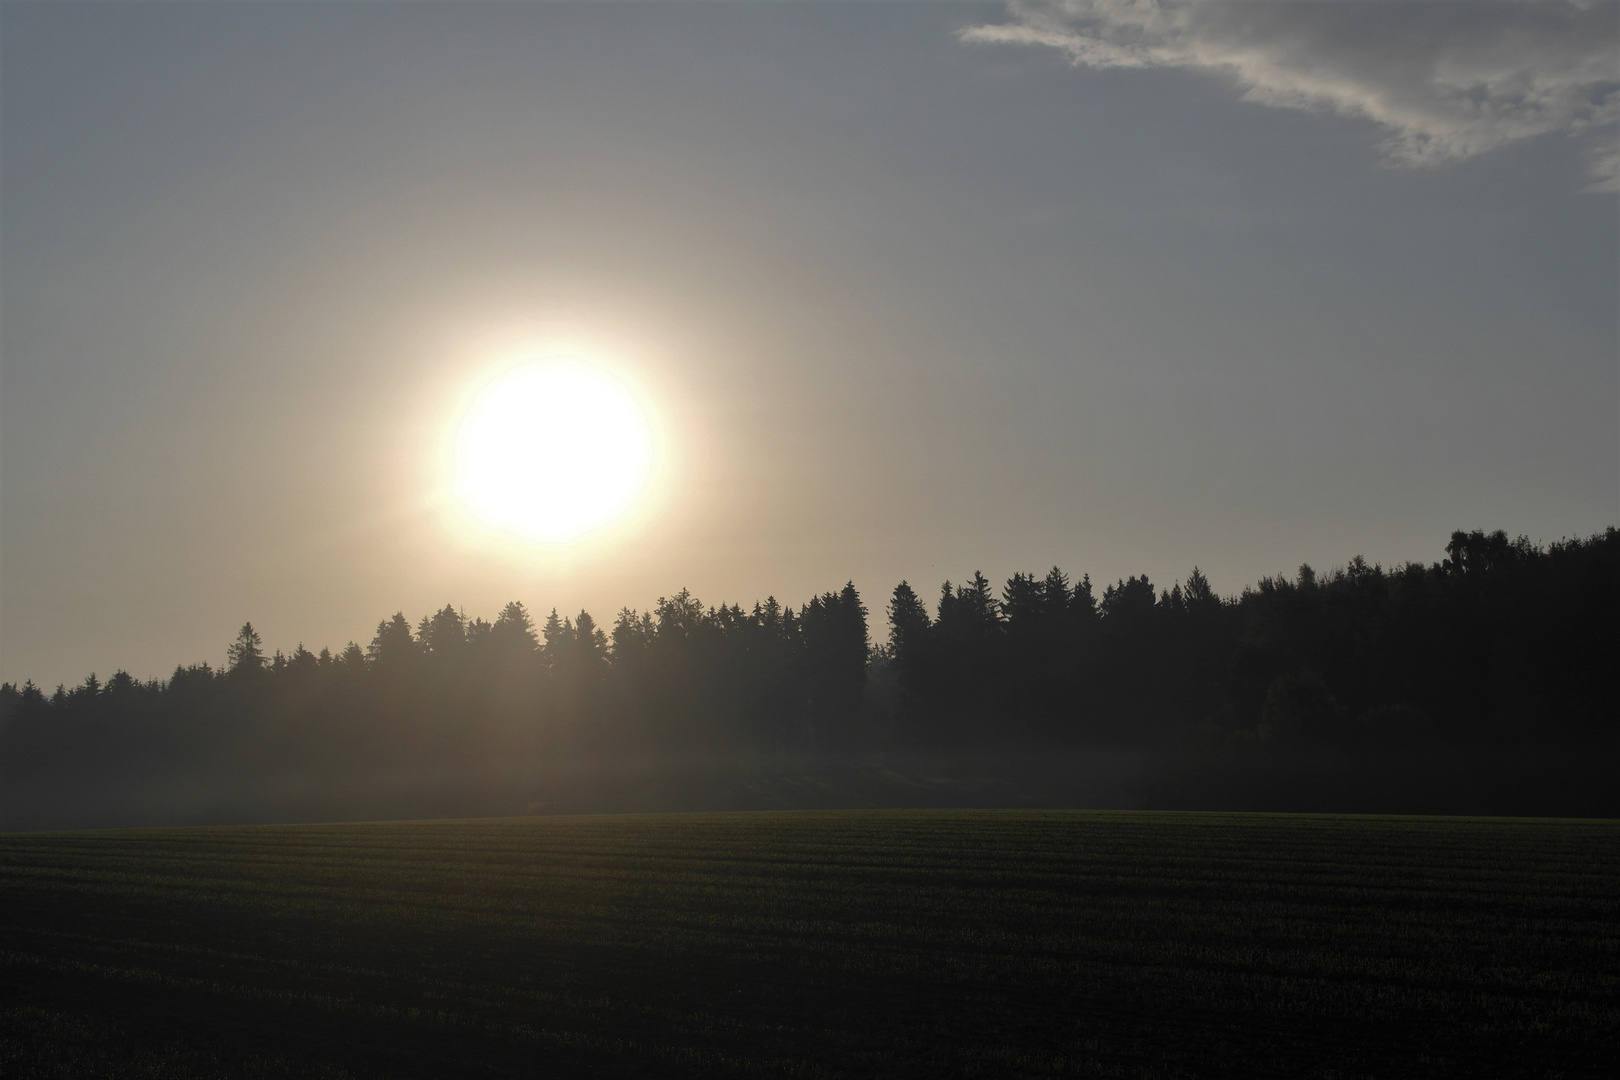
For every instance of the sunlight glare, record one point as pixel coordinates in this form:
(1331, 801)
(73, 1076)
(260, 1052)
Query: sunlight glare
(552, 450)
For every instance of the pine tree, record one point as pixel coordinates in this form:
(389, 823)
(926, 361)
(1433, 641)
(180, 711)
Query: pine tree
(908, 625)
(393, 646)
(246, 653)
(513, 630)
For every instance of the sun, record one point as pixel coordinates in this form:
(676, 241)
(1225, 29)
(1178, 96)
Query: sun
(553, 450)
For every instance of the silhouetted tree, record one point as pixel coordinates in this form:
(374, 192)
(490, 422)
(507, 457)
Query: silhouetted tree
(835, 647)
(246, 653)
(1500, 643)
(442, 634)
(392, 648)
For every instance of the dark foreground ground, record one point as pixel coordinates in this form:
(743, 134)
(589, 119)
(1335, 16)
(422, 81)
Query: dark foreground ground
(920, 943)
(1500, 781)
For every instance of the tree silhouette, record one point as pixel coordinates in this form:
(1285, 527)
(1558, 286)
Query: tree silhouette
(246, 653)
(1501, 643)
(392, 648)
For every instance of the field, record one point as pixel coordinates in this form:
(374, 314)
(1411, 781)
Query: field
(860, 943)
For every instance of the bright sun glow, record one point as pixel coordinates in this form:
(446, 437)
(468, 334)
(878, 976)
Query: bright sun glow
(552, 450)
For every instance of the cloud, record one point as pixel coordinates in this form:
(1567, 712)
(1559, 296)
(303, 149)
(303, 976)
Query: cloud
(1447, 81)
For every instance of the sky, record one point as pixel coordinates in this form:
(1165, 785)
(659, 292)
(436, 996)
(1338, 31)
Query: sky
(911, 290)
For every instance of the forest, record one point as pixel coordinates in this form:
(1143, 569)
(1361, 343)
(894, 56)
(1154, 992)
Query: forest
(1502, 643)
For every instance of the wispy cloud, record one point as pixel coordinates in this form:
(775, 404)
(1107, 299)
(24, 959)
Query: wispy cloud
(1446, 80)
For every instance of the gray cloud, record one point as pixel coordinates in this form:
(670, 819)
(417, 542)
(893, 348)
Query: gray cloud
(1447, 81)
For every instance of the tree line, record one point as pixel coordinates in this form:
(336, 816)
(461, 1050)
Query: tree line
(1501, 642)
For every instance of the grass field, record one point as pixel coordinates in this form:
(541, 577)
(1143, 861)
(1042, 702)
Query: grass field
(928, 943)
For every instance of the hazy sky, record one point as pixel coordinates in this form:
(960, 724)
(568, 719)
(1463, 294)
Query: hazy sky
(917, 289)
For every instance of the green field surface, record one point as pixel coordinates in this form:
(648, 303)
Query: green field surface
(803, 944)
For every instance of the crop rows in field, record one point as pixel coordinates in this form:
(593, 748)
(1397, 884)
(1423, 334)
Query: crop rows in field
(807, 944)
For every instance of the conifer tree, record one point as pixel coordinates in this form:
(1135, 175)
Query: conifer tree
(246, 653)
